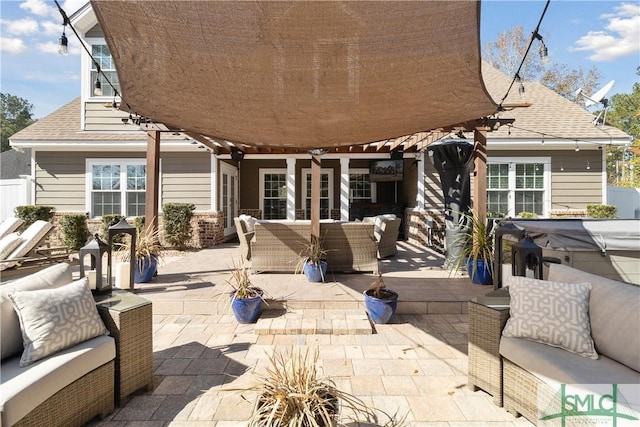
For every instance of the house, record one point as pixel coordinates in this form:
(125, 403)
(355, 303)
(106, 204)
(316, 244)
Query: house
(90, 158)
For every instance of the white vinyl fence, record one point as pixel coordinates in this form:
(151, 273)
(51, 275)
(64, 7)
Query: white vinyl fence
(13, 192)
(627, 200)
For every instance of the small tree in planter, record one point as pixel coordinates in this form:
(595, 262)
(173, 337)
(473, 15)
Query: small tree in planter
(246, 299)
(313, 261)
(476, 254)
(380, 302)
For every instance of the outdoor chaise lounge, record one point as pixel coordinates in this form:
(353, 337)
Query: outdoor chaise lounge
(28, 250)
(9, 226)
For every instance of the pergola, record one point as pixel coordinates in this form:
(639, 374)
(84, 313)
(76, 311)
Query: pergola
(301, 76)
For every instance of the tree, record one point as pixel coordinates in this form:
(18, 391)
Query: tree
(16, 115)
(623, 164)
(507, 51)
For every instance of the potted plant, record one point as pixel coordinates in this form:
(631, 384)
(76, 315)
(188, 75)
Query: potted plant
(380, 302)
(476, 251)
(148, 252)
(312, 261)
(246, 299)
(292, 393)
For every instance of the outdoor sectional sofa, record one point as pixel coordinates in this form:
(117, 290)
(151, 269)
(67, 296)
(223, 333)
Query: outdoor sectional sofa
(534, 372)
(70, 386)
(351, 246)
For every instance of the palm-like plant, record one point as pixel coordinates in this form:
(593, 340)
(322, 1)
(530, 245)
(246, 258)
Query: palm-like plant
(147, 246)
(475, 243)
(241, 283)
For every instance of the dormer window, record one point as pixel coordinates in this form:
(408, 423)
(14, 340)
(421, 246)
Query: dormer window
(101, 54)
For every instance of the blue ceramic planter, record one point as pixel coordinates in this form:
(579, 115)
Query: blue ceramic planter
(380, 310)
(480, 273)
(246, 310)
(145, 269)
(314, 272)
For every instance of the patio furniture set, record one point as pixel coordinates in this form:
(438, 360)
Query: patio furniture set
(529, 341)
(56, 373)
(275, 246)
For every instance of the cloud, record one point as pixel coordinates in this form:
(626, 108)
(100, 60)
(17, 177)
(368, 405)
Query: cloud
(39, 7)
(619, 37)
(12, 46)
(52, 47)
(52, 28)
(20, 26)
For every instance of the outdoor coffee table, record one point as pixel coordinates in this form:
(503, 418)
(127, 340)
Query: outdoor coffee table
(487, 317)
(129, 320)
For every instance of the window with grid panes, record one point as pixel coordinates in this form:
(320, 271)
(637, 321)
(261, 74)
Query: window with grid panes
(118, 188)
(498, 189)
(516, 186)
(359, 187)
(274, 197)
(529, 191)
(325, 194)
(102, 55)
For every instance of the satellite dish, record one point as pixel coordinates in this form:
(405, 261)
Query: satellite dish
(598, 97)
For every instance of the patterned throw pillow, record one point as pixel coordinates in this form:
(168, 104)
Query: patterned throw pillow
(551, 313)
(54, 319)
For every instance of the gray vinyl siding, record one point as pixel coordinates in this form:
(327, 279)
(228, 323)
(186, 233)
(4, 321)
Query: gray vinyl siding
(186, 178)
(99, 116)
(60, 178)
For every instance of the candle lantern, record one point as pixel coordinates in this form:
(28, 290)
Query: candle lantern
(508, 228)
(96, 249)
(122, 227)
(526, 254)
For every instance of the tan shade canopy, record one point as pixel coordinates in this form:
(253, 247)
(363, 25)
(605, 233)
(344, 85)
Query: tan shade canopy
(298, 74)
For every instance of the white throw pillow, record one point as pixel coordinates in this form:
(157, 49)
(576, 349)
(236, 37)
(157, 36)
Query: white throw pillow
(54, 319)
(249, 221)
(8, 244)
(551, 313)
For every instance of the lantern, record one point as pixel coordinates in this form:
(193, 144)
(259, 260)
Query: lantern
(96, 249)
(526, 255)
(123, 227)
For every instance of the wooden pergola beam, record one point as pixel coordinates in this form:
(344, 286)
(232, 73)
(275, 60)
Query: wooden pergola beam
(152, 181)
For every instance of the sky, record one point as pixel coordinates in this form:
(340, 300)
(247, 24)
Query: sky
(604, 34)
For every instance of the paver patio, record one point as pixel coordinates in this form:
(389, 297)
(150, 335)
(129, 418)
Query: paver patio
(414, 368)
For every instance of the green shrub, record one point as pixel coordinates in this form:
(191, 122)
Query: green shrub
(601, 211)
(74, 230)
(107, 221)
(528, 215)
(32, 213)
(176, 218)
(138, 222)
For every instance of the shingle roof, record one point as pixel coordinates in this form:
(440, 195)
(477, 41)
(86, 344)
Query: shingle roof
(14, 163)
(550, 113)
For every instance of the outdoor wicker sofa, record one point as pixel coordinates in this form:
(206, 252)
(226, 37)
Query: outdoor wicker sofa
(277, 245)
(67, 388)
(533, 372)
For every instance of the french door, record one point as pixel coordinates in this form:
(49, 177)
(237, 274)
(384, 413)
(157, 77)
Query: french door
(229, 196)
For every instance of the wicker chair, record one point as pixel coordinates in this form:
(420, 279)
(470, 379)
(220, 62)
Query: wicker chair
(387, 237)
(244, 237)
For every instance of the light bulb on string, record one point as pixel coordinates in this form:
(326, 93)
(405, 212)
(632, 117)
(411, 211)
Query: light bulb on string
(577, 147)
(588, 165)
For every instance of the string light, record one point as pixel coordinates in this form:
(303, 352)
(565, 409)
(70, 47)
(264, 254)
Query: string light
(561, 167)
(542, 51)
(588, 165)
(521, 87)
(544, 135)
(577, 147)
(542, 142)
(524, 57)
(63, 43)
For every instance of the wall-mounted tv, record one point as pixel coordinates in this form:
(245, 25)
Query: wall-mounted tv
(386, 170)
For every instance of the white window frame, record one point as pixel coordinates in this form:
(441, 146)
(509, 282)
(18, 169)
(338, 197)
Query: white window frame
(263, 172)
(88, 84)
(123, 163)
(372, 184)
(512, 161)
(307, 172)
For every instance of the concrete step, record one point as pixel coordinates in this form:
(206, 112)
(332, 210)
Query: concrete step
(313, 321)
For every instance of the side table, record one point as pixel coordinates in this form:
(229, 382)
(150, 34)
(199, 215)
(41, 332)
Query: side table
(487, 317)
(128, 318)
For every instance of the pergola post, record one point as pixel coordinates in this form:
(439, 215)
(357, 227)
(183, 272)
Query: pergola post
(480, 175)
(153, 180)
(315, 198)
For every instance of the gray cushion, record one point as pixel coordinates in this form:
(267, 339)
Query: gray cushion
(614, 309)
(54, 319)
(10, 334)
(552, 313)
(555, 366)
(8, 244)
